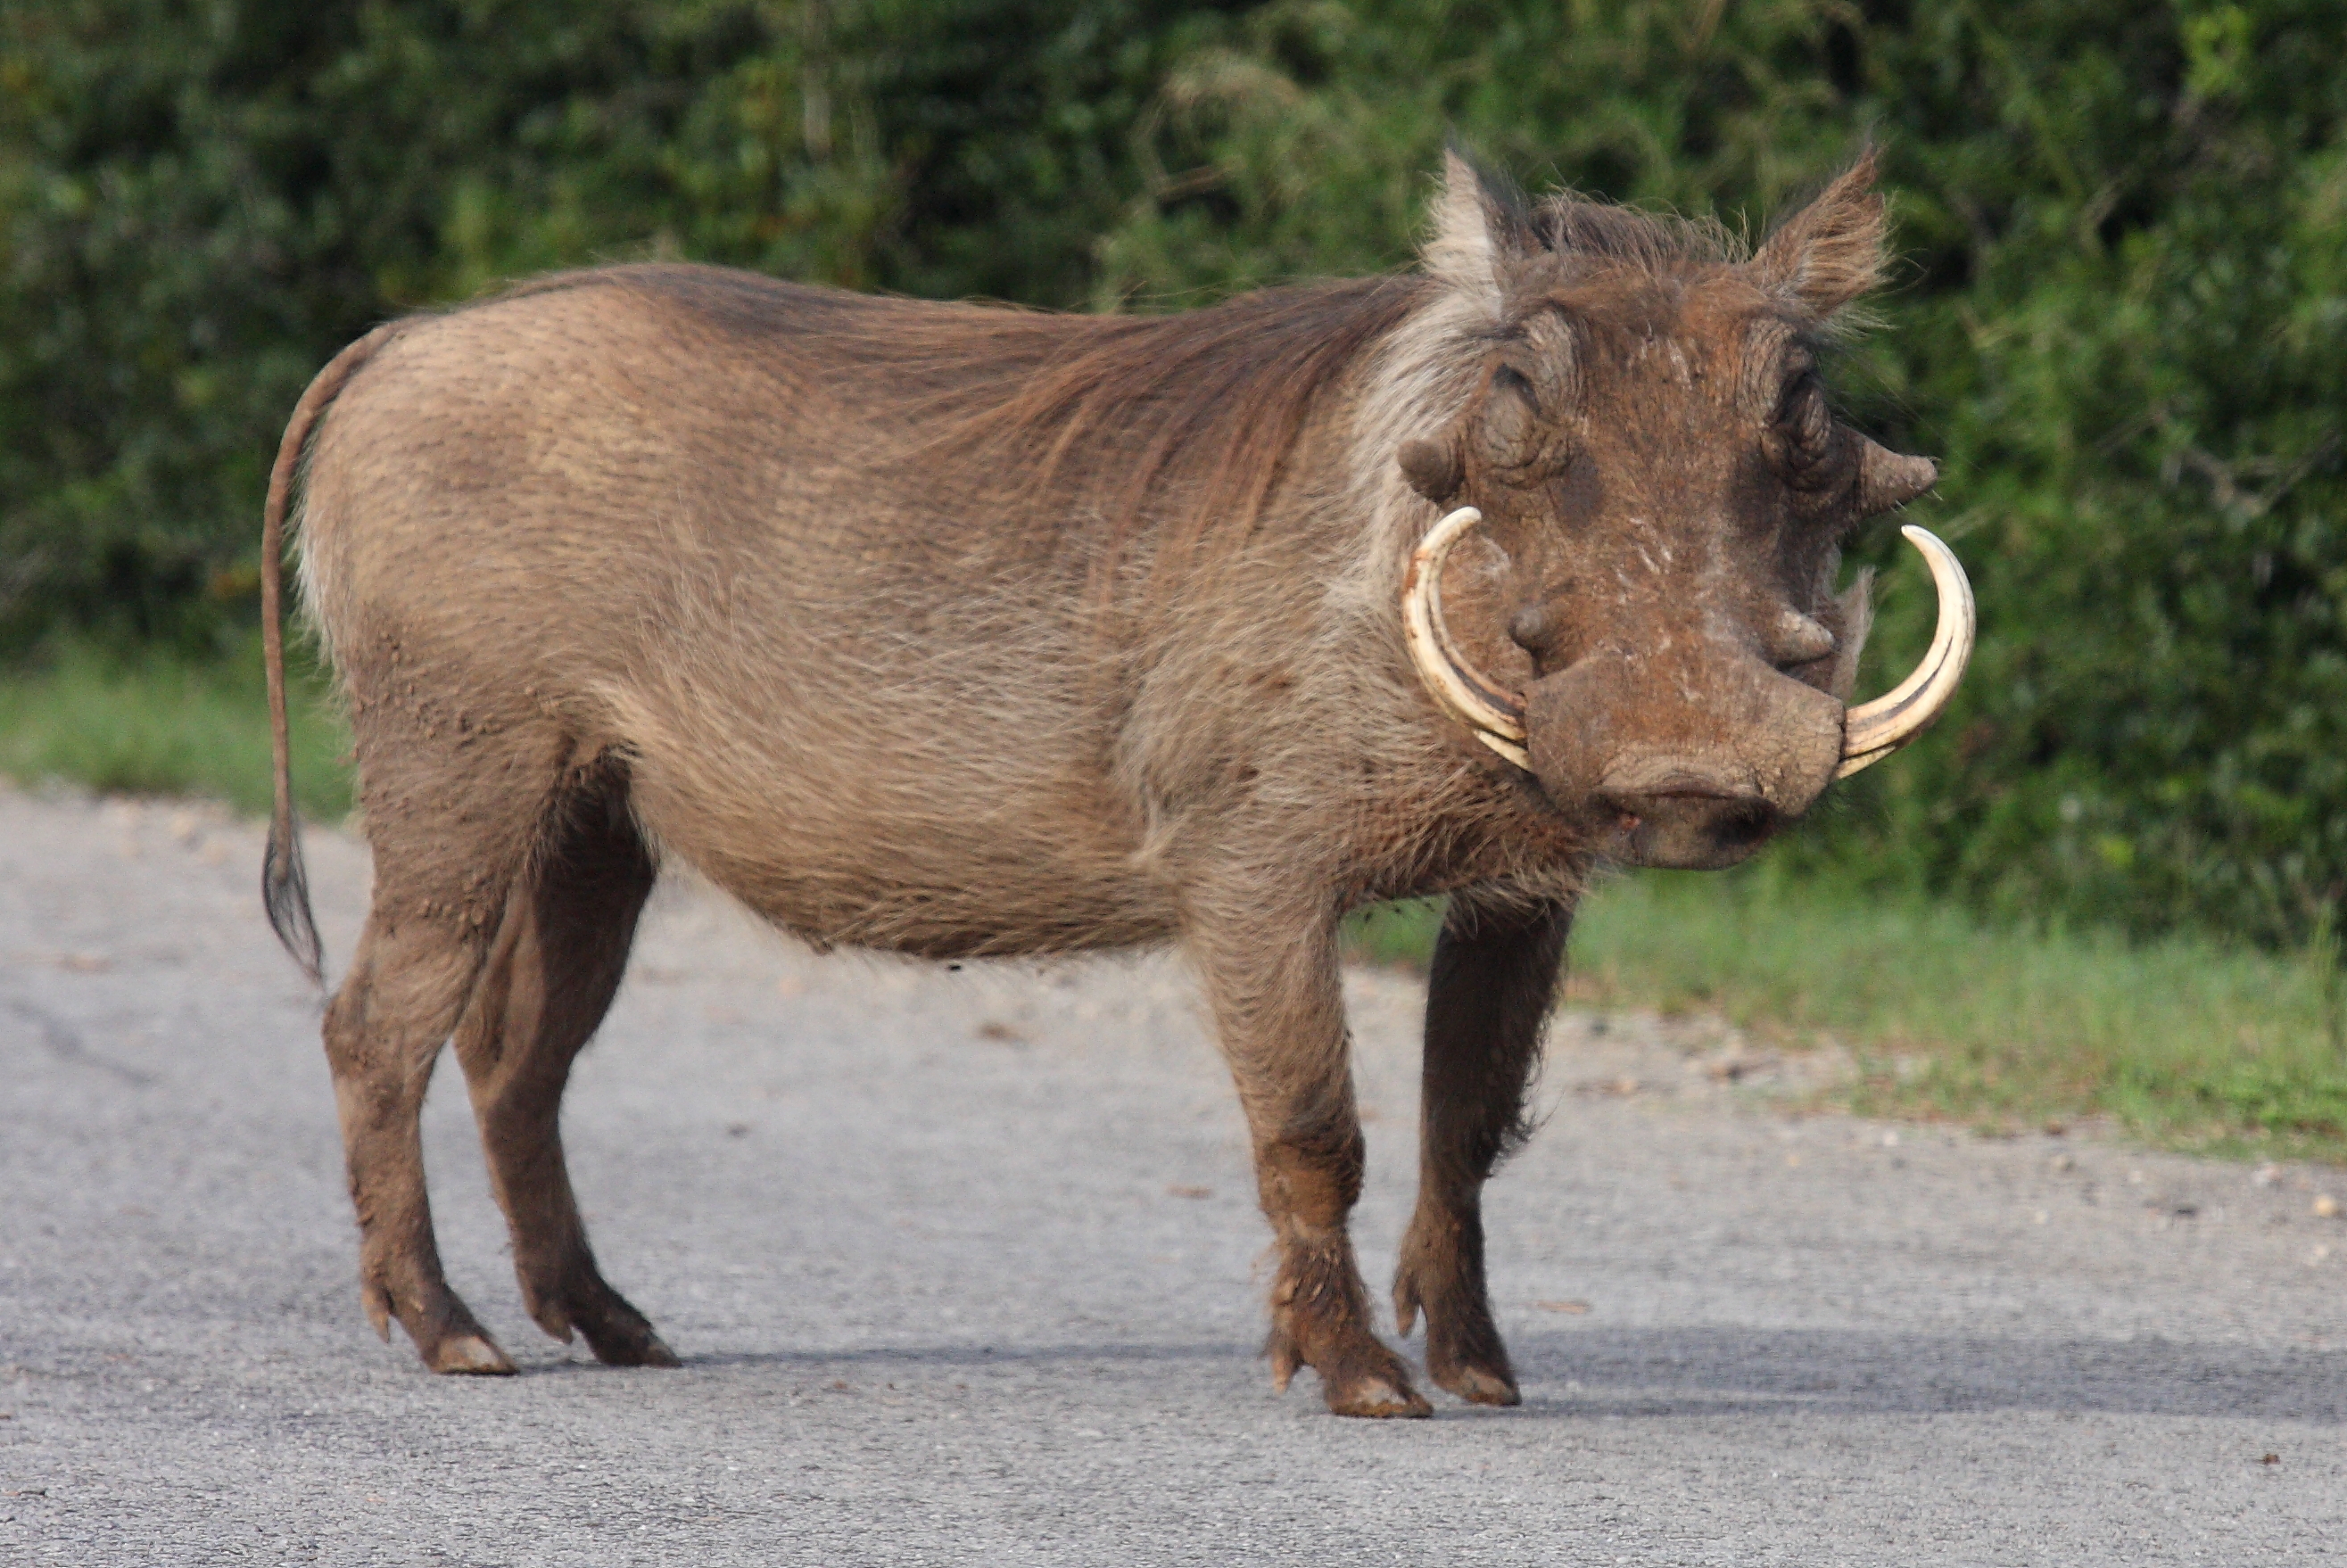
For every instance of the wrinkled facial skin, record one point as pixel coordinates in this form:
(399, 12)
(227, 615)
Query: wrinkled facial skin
(1658, 459)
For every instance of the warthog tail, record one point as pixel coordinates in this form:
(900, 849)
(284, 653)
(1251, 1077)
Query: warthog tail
(284, 884)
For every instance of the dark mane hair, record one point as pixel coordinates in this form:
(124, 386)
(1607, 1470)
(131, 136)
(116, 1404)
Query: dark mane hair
(1571, 225)
(1182, 424)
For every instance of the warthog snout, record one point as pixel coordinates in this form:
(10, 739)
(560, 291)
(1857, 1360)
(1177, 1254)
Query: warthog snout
(1686, 785)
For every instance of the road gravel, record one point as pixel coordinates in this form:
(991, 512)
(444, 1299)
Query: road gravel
(965, 1268)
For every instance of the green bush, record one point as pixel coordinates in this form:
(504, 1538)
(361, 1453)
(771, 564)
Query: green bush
(2122, 324)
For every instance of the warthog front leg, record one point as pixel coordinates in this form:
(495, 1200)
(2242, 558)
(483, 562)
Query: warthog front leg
(1280, 1013)
(1486, 1003)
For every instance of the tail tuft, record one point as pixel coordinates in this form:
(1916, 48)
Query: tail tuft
(285, 893)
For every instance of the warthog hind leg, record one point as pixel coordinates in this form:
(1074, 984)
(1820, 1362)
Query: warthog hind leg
(1280, 1013)
(560, 951)
(454, 807)
(384, 1032)
(409, 980)
(1486, 1002)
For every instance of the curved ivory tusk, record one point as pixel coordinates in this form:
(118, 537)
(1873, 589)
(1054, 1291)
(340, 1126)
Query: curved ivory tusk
(1872, 731)
(1458, 688)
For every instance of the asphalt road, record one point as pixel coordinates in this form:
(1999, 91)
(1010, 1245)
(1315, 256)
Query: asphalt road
(963, 1270)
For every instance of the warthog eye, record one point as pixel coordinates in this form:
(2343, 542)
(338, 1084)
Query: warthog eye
(1804, 435)
(1511, 413)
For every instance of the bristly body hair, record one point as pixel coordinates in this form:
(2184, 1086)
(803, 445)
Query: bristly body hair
(1181, 425)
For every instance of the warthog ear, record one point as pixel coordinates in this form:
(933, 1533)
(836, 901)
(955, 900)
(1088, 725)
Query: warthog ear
(1830, 251)
(1478, 225)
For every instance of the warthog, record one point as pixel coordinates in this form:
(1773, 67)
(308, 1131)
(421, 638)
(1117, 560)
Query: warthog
(956, 630)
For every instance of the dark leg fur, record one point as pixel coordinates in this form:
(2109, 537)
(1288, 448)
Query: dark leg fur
(560, 952)
(1279, 1012)
(1486, 1003)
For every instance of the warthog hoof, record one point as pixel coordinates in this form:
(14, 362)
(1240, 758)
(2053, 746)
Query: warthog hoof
(1464, 1354)
(1477, 1385)
(469, 1355)
(618, 1334)
(1371, 1395)
(445, 1335)
(640, 1348)
(1363, 1379)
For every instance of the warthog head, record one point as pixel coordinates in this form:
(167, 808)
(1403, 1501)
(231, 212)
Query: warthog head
(1652, 454)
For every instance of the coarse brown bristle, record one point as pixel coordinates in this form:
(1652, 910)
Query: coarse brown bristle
(1179, 423)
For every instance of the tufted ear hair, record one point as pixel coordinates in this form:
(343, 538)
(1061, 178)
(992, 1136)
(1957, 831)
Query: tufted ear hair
(1830, 251)
(1478, 225)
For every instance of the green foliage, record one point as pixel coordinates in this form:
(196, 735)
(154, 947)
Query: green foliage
(2138, 369)
(2122, 325)
(151, 724)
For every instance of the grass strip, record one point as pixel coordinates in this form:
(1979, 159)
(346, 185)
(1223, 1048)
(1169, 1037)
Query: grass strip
(2187, 1042)
(152, 724)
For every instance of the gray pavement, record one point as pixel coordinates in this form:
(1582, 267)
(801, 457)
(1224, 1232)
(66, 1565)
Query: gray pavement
(964, 1268)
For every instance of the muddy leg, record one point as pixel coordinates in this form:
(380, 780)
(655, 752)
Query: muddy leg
(1486, 1002)
(414, 967)
(1280, 1013)
(561, 949)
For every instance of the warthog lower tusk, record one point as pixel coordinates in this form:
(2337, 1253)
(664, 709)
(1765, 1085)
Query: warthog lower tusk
(1457, 687)
(1872, 731)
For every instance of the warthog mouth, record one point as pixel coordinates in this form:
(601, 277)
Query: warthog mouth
(1686, 830)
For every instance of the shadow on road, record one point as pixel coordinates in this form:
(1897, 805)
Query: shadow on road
(909, 1358)
(1665, 1373)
